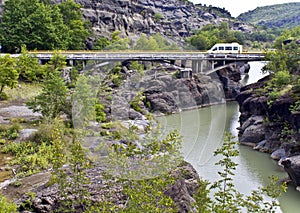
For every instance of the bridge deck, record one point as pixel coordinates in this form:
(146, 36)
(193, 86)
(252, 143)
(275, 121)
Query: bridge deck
(120, 56)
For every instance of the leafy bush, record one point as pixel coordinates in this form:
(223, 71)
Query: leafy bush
(6, 206)
(10, 132)
(281, 78)
(100, 114)
(157, 16)
(29, 156)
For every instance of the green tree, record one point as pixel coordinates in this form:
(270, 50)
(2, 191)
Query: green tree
(83, 103)
(141, 43)
(277, 61)
(72, 18)
(148, 194)
(164, 44)
(288, 34)
(8, 73)
(200, 42)
(227, 198)
(101, 43)
(28, 66)
(56, 64)
(52, 99)
(42, 26)
(32, 23)
(118, 43)
(209, 35)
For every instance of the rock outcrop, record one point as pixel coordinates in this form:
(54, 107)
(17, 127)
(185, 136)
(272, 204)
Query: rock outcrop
(230, 78)
(270, 127)
(46, 198)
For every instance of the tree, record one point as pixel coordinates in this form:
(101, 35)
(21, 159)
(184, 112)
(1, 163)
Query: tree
(32, 23)
(53, 97)
(43, 26)
(227, 198)
(72, 18)
(101, 43)
(28, 66)
(141, 43)
(211, 34)
(199, 42)
(83, 103)
(8, 73)
(56, 63)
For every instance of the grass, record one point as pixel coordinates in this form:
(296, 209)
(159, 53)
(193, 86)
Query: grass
(23, 92)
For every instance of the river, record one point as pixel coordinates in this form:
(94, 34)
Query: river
(202, 131)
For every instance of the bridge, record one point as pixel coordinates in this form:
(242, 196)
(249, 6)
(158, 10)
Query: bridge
(197, 59)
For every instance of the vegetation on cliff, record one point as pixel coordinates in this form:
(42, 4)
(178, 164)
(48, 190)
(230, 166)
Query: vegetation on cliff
(284, 63)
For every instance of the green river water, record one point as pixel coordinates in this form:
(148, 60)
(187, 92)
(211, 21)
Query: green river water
(203, 129)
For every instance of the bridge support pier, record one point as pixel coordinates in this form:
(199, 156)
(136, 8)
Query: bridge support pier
(186, 73)
(201, 66)
(197, 66)
(70, 62)
(183, 63)
(194, 66)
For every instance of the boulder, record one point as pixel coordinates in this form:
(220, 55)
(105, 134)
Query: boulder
(25, 134)
(292, 167)
(278, 154)
(253, 134)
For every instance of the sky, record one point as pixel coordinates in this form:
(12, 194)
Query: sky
(236, 7)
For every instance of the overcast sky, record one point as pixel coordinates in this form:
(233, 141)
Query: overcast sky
(236, 7)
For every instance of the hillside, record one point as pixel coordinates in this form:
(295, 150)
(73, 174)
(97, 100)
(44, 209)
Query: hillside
(174, 19)
(279, 15)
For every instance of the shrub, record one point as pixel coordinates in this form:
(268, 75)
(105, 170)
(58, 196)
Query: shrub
(281, 78)
(158, 16)
(6, 206)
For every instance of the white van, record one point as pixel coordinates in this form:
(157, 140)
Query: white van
(226, 48)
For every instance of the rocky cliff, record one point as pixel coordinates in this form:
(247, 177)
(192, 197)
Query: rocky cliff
(271, 127)
(175, 19)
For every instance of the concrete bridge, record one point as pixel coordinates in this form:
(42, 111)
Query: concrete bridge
(195, 60)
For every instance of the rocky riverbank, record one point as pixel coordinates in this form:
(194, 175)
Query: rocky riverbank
(159, 90)
(271, 126)
(44, 198)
